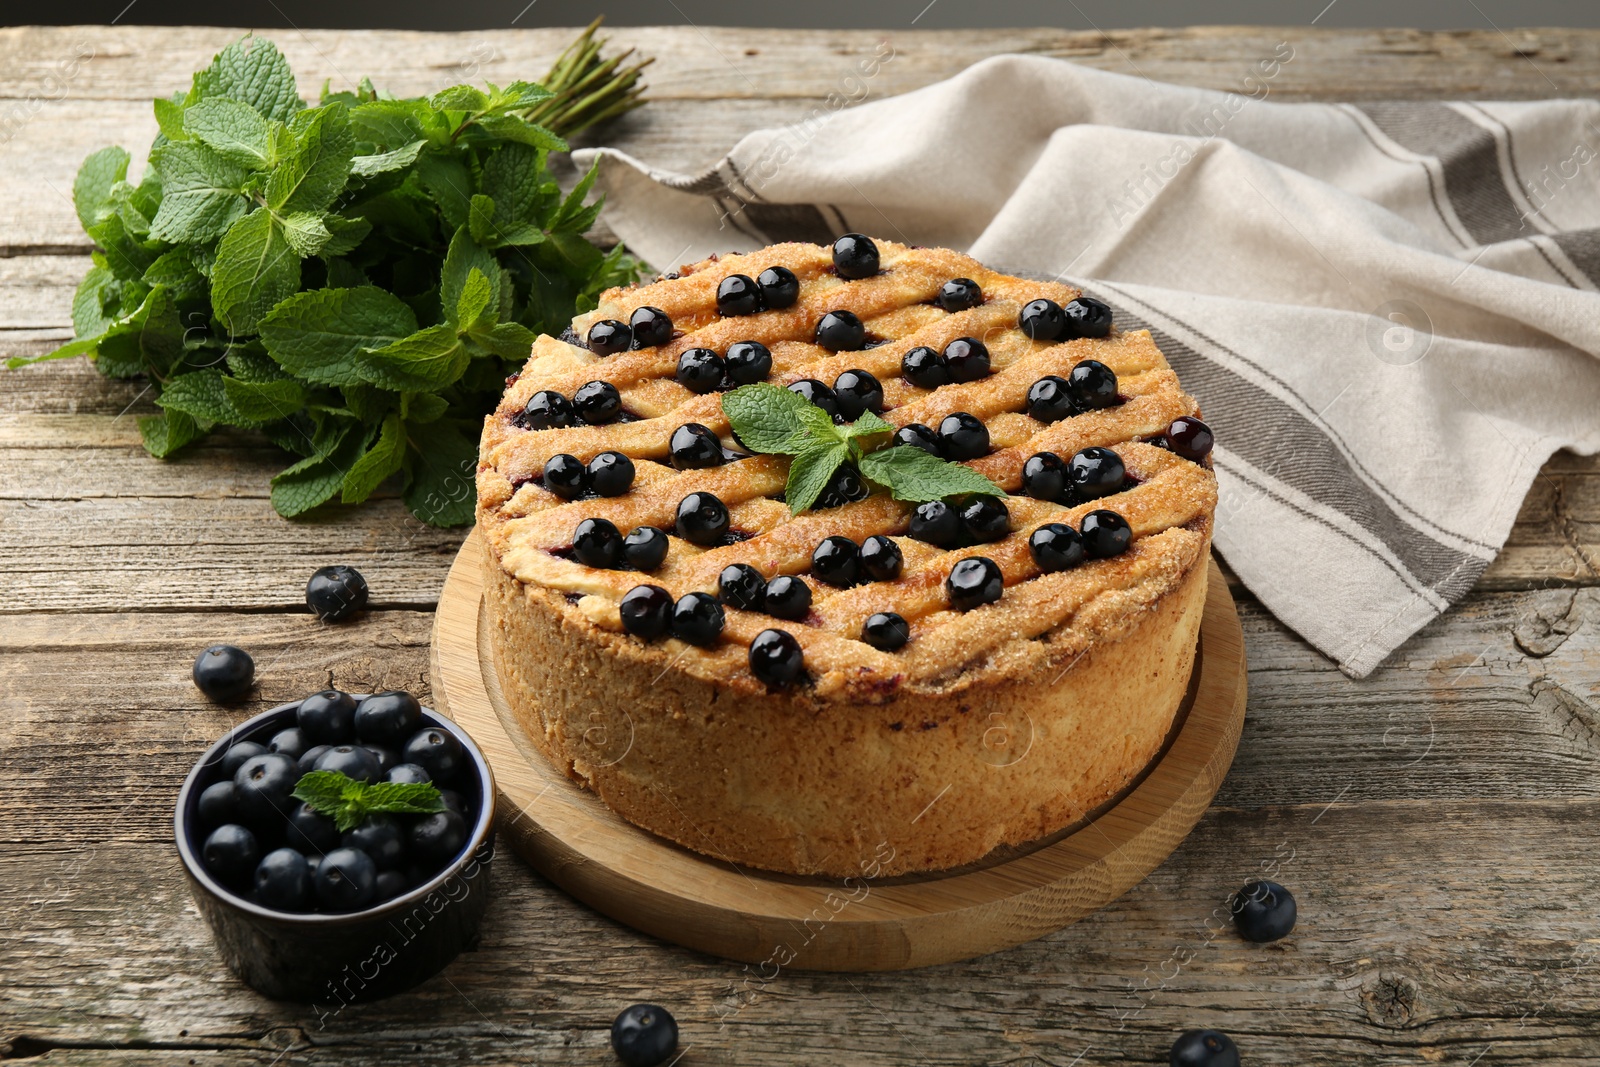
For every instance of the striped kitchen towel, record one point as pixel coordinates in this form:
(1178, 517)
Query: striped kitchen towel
(1388, 312)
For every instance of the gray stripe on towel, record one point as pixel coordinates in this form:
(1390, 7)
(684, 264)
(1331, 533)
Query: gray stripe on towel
(1254, 422)
(1466, 151)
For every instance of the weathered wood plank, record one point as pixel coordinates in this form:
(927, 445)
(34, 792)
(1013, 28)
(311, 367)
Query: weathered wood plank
(36, 292)
(139, 62)
(1556, 538)
(1435, 952)
(710, 86)
(208, 549)
(1495, 700)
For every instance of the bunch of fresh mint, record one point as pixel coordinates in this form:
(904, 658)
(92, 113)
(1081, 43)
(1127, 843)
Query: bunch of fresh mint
(777, 421)
(354, 280)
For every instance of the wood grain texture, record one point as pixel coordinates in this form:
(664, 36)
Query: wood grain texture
(70, 90)
(1437, 820)
(1403, 956)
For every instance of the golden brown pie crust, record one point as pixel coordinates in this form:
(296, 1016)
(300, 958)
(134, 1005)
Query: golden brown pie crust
(992, 727)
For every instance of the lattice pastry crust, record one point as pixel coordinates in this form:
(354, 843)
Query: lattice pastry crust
(804, 778)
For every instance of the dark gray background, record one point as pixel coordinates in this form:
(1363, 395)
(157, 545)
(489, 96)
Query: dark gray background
(940, 14)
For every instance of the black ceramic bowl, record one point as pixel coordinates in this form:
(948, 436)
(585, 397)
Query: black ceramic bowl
(336, 959)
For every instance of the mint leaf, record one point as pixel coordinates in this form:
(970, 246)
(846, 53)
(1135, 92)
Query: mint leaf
(380, 461)
(912, 475)
(868, 424)
(465, 256)
(89, 315)
(117, 353)
(149, 341)
(256, 269)
(249, 362)
(427, 361)
(80, 347)
(572, 216)
(164, 434)
(480, 219)
(520, 130)
(306, 233)
(236, 131)
(264, 401)
(169, 118)
(768, 418)
(386, 162)
(315, 479)
(201, 193)
(402, 798)
(454, 211)
(318, 166)
(347, 236)
(136, 205)
(425, 407)
(318, 334)
(369, 403)
(514, 178)
(449, 182)
(126, 255)
(460, 98)
(809, 472)
(508, 340)
(393, 123)
(91, 189)
(167, 432)
(442, 487)
(519, 96)
(175, 270)
(819, 424)
(252, 71)
(347, 802)
(324, 790)
(473, 300)
(202, 395)
(521, 196)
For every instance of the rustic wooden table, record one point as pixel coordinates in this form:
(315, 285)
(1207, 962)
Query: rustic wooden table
(1438, 822)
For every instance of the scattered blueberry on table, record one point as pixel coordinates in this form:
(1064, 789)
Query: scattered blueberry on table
(224, 673)
(1264, 911)
(1204, 1048)
(335, 593)
(358, 802)
(644, 1035)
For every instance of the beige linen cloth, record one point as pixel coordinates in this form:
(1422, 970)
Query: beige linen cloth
(1388, 312)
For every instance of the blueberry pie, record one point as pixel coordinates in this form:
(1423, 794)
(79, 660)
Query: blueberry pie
(886, 671)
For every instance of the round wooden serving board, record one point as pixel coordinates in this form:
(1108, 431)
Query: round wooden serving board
(778, 921)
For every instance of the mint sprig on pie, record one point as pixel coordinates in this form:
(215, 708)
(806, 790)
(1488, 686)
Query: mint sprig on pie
(773, 420)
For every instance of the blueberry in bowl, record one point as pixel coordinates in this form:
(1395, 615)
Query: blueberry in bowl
(347, 876)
